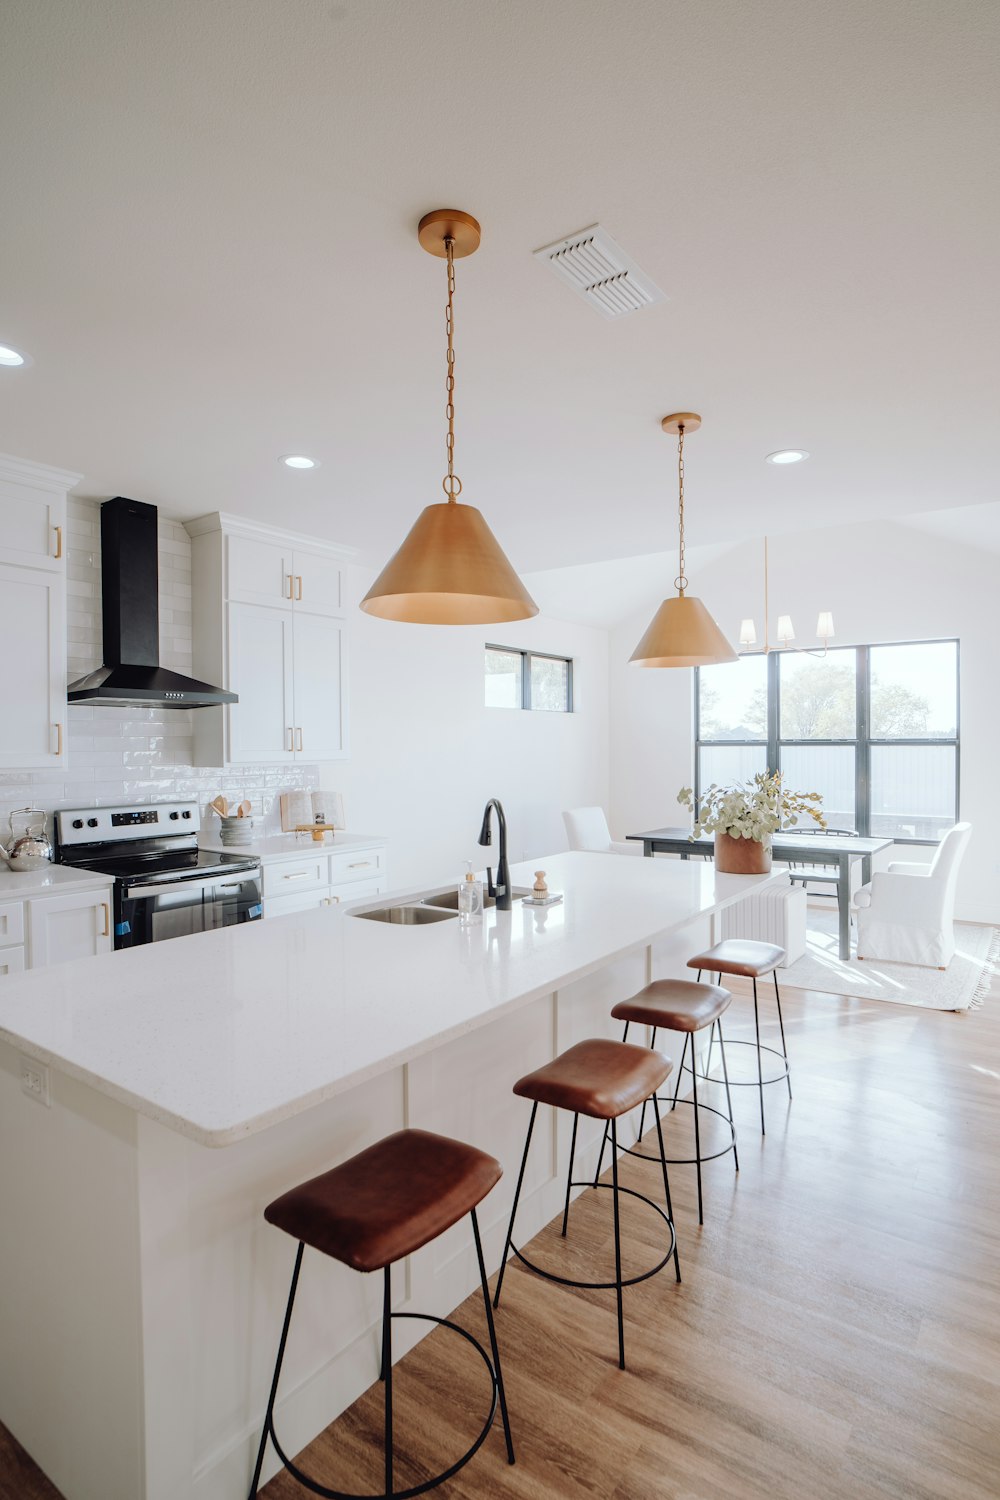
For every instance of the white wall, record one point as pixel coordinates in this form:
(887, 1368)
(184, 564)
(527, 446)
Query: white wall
(426, 753)
(883, 582)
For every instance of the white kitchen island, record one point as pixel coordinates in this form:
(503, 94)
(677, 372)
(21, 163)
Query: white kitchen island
(141, 1292)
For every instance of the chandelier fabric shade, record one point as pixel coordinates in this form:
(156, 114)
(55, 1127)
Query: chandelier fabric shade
(450, 569)
(682, 633)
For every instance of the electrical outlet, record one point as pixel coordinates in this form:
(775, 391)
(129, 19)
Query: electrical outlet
(35, 1079)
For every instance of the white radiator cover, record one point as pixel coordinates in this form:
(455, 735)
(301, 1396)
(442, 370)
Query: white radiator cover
(774, 915)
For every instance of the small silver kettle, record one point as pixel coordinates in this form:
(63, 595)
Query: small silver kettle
(29, 848)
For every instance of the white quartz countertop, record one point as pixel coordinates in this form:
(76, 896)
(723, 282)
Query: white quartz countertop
(287, 845)
(49, 880)
(225, 1033)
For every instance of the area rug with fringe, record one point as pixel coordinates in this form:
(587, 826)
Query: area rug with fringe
(962, 986)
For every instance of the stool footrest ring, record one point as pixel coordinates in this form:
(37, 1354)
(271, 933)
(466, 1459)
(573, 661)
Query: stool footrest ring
(428, 1484)
(604, 1286)
(689, 1161)
(745, 1083)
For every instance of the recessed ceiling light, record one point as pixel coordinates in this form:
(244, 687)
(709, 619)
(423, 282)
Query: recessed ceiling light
(787, 456)
(299, 461)
(10, 356)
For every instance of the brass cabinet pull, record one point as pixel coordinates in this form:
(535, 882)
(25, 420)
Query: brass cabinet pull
(105, 908)
(298, 585)
(59, 738)
(299, 734)
(291, 738)
(297, 875)
(286, 578)
(58, 552)
(360, 864)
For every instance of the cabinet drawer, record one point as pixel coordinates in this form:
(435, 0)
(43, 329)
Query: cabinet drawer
(11, 923)
(289, 876)
(11, 961)
(357, 890)
(356, 864)
(285, 906)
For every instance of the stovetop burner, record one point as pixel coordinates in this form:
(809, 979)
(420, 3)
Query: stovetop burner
(193, 861)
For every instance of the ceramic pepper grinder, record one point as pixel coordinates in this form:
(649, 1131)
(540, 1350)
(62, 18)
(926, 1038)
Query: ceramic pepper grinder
(540, 890)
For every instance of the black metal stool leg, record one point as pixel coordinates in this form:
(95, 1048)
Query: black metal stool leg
(269, 1417)
(729, 1102)
(387, 1375)
(784, 1049)
(618, 1248)
(680, 1069)
(493, 1339)
(697, 1126)
(569, 1175)
(760, 1074)
(666, 1186)
(642, 1114)
(513, 1212)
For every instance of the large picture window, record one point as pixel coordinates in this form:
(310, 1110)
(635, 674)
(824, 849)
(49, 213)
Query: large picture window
(872, 728)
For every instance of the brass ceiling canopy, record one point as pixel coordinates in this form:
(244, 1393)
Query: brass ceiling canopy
(450, 569)
(682, 633)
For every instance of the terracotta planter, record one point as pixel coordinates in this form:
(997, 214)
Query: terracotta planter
(741, 856)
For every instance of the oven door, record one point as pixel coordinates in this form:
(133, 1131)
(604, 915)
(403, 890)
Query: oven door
(177, 908)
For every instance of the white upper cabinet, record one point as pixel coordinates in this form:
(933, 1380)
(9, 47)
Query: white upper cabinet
(268, 611)
(33, 513)
(33, 613)
(262, 571)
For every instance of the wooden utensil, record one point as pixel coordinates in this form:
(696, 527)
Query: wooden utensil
(221, 806)
(243, 811)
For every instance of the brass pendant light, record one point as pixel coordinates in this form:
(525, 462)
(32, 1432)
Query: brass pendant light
(450, 570)
(682, 633)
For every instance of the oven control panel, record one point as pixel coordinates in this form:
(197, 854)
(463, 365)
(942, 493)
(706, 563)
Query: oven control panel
(104, 825)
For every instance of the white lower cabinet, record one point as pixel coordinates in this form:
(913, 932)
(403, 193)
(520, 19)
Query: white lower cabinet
(305, 882)
(76, 925)
(11, 961)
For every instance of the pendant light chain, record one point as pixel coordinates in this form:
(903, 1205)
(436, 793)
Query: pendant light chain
(451, 483)
(680, 582)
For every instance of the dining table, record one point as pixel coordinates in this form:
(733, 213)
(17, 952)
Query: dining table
(837, 849)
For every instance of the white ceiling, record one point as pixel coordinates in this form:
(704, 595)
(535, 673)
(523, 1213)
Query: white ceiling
(209, 251)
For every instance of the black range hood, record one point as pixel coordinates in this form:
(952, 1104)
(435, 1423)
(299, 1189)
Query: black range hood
(131, 676)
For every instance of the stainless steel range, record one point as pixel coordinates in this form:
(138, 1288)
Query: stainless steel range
(165, 886)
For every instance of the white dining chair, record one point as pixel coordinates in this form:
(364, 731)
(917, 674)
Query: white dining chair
(587, 828)
(907, 913)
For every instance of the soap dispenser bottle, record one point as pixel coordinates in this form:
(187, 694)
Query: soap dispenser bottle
(470, 897)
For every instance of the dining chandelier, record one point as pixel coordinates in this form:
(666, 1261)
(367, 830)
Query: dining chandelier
(682, 633)
(450, 569)
(786, 631)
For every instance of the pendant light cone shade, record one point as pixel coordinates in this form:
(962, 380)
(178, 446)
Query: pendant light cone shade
(450, 570)
(682, 633)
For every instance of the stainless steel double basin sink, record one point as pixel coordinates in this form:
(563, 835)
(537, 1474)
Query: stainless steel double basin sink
(439, 906)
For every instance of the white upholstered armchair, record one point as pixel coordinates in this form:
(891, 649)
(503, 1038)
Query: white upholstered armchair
(587, 828)
(906, 914)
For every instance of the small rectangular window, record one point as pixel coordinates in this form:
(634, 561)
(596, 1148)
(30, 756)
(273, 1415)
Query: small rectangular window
(528, 679)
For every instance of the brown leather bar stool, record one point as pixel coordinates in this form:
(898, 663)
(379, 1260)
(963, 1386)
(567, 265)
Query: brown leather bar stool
(601, 1079)
(684, 1006)
(752, 960)
(370, 1212)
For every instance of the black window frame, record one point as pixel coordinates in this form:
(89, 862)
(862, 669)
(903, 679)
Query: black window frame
(863, 740)
(526, 660)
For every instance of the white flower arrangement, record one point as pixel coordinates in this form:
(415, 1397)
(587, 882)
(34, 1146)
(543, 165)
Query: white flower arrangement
(754, 809)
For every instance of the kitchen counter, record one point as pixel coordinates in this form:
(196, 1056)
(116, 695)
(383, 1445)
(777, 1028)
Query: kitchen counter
(141, 1290)
(49, 880)
(225, 1033)
(288, 845)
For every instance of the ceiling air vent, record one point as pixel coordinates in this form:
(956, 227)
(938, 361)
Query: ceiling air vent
(600, 271)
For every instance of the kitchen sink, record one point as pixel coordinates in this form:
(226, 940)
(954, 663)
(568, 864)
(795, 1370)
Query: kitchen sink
(406, 916)
(448, 898)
